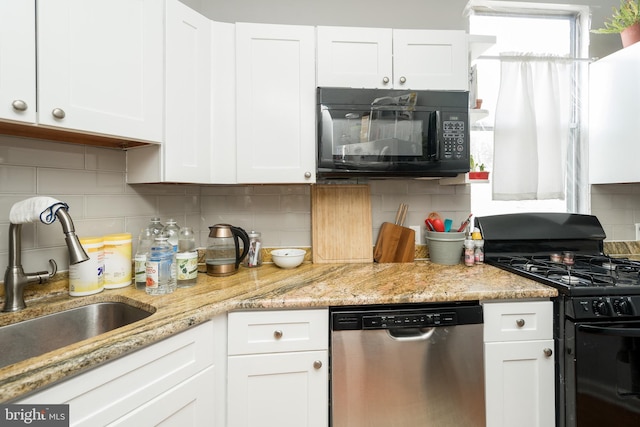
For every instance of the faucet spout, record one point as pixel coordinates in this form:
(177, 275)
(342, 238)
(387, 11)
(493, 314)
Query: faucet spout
(15, 279)
(77, 253)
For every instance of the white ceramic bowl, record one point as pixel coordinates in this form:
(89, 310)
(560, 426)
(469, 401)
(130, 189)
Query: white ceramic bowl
(288, 258)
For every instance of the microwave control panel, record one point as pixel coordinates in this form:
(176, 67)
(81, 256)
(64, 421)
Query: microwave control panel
(453, 138)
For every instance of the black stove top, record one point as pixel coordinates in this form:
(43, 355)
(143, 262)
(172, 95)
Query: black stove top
(558, 249)
(583, 275)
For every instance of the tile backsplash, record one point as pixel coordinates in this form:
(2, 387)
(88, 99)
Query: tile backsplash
(92, 181)
(617, 206)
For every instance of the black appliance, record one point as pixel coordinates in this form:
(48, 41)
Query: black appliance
(597, 312)
(392, 133)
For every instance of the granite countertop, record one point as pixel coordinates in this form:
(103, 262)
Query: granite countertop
(266, 287)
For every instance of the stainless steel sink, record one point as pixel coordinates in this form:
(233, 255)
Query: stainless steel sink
(34, 337)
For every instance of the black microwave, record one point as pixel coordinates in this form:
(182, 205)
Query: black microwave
(392, 133)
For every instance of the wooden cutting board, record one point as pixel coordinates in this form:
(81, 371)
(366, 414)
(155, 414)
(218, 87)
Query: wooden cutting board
(395, 244)
(341, 223)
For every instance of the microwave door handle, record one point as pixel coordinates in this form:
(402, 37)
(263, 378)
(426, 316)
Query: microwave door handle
(433, 140)
(616, 332)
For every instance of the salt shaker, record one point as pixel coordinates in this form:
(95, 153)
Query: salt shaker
(254, 256)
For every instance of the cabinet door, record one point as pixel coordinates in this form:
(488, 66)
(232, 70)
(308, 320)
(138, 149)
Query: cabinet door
(100, 66)
(187, 144)
(18, 60)
(275, 103)
(613, 117)
(430, 59)
(112, 390)
(354, 57)
(187, 404)
(279, 389)
(520, 383)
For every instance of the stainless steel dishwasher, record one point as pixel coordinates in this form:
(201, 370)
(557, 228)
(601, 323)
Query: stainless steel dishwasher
(407, 366)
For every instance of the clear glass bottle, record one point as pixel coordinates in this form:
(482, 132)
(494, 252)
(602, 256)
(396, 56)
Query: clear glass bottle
(161, 278)
(145, 240)
(254, 256)
(155, 225)
(172, 230)
(186, 259)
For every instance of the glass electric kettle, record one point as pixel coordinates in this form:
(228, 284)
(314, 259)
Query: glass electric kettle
(224, 254)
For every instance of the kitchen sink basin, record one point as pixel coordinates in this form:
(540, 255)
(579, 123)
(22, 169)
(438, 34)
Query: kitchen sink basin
(34, 337)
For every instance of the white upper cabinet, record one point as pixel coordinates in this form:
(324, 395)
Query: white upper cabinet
(355, 57)
(100, 66)
(18, 60)
(614, 91)
(185, 156)
(275, 123)
(385, 58)
(430, 59)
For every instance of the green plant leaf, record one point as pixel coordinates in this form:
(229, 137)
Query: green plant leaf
(627, 15)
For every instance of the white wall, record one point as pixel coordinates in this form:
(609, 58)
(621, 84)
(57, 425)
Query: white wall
(433, 14)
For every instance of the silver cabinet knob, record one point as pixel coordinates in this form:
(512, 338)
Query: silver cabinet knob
(403, 80)
(547, 352)
(277, 334)
(19, 105)
(385, 80)
(307, 175)
(520, 323)
(58, 113)
(317, 364)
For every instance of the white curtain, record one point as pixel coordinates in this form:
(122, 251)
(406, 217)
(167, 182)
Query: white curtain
(531, 129)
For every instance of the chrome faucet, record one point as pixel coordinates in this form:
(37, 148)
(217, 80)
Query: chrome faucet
(15, 279)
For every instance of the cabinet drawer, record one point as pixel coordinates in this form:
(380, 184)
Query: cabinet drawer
(254, 332)
(518, 321)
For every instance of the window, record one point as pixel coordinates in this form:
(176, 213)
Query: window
(536, 29)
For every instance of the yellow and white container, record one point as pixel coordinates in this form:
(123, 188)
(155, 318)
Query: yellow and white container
(117, 260)
(87, 278)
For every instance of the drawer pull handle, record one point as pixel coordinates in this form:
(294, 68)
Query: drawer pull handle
(385, 80)
(547, 352)
(317, 364)
(277, 334)
(520, 323)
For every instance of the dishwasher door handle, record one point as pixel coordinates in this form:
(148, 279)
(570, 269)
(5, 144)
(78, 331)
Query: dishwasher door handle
(410, 334)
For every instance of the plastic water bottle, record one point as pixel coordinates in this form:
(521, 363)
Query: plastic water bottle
(186, 259)
(172, 230)
(145, 240)
(155, 226)
(160, 269)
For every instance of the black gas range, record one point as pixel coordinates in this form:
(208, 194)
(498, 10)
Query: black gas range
(597, 312)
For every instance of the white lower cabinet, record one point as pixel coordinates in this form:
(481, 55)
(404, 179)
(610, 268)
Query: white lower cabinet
(278, 369)
(174, 382)
(519, 364)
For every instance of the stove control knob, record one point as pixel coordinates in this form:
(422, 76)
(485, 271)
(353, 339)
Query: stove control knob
(622, 306)
(600, 307)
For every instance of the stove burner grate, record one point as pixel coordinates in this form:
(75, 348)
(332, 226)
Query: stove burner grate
(586, 271)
